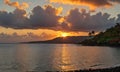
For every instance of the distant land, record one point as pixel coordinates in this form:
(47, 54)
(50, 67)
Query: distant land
(63, 40)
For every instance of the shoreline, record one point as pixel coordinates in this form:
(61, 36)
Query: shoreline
(101, 45)
(111, 69)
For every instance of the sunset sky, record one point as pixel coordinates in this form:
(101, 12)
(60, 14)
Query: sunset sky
(31, 20)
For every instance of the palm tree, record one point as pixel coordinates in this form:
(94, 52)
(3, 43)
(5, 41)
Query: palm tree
(91, 34)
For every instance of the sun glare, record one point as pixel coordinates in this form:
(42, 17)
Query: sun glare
(64, 34)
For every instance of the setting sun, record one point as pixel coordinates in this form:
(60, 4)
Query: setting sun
(64, 34)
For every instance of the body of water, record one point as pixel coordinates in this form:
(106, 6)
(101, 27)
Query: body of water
(56, 57)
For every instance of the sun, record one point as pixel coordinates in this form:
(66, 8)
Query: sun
(64, 34)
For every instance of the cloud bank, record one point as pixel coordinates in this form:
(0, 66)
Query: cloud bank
(83, 21)
(39, 18)
(48, 17)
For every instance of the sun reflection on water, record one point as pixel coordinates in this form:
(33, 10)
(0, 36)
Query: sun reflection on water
(66, 63)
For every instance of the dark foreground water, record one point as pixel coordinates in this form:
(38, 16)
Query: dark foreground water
(55, 57)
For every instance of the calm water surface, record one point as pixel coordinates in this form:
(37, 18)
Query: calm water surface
(55, 57)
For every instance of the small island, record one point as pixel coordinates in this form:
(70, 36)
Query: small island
(111, 37)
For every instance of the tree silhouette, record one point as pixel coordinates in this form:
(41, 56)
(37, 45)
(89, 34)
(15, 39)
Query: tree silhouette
(91, 34)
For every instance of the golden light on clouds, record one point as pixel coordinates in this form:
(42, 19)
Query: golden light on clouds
(74, 2)
(16, 4)
(59, 10)
(61, 20)
(91, 4)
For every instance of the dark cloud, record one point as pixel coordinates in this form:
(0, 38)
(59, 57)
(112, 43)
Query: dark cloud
(48, 18)
(117, 1)
(118, 19)
(44, 18)
(15, 20)
(40, 18)
(82, 21)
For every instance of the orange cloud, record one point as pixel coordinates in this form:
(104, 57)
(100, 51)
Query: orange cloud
(92, 4)
(56, 11)
(59, 10)
(61, 20)
(24, 5)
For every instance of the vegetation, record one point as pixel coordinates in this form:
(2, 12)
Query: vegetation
(91, 34)
(110, 37)
(114, 69)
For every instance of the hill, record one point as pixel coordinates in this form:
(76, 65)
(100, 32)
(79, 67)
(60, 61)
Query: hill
(61, 40)
(111, 37)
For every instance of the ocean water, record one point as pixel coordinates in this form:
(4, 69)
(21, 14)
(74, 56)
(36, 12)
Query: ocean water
(56, 57)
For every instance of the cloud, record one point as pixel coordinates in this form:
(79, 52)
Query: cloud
(15, 37)
(48, 17)
(92, 4)
(117, 1)
(51, 9)
(83, 21)
(24, 5)
(118, 19)
(15, 20)
(44, 17)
